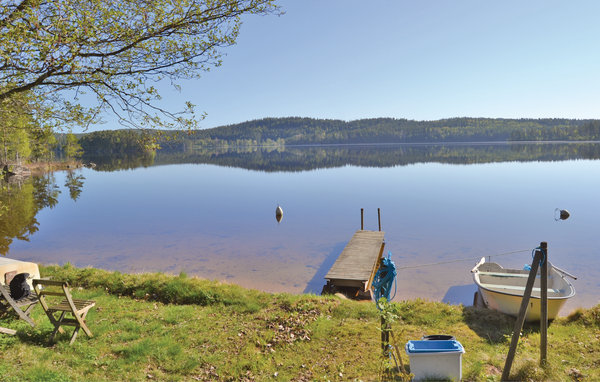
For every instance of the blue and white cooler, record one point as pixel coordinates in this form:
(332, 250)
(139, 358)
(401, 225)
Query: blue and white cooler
(435, 359)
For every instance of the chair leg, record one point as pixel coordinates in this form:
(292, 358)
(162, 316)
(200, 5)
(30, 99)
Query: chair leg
(74, 335)
(23, 314)
(26, 313)
(29, 309)
(81, 321)
(57, 327)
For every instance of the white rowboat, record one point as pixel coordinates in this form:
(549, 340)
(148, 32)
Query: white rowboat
(11, 267)
(502, 289)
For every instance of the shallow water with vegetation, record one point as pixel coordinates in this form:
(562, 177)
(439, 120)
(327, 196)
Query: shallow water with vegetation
(211, 213)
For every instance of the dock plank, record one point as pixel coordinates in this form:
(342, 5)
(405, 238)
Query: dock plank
(359, 258)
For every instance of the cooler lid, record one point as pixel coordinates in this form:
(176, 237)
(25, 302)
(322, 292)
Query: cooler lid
(424, 346)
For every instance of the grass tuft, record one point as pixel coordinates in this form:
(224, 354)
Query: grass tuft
(42, 374)
(587, 317)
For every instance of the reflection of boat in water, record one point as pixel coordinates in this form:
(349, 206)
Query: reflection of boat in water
(502, 289)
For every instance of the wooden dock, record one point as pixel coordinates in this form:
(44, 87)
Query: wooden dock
(356, 266)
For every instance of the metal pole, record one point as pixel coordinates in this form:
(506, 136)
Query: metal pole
(379, 218)
(544, 305)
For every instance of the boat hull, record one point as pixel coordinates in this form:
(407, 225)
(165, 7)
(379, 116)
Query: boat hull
(12, 266)
(510, 304)
(502, 289)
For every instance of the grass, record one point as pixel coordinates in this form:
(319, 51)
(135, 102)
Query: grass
(178, 328)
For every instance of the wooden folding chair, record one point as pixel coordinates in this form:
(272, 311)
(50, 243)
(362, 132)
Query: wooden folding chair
(7, 303)
(63, 305)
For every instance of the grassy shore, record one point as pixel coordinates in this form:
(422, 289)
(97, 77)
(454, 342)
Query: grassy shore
(170, 328)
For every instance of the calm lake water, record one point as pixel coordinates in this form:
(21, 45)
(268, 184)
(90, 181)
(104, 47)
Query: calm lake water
(213, 214)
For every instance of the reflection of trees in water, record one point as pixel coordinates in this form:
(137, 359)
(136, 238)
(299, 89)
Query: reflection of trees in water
(122, 161)
(18, 215)
(22, 199)
(302, 158)
(74, 183)
(45, 190)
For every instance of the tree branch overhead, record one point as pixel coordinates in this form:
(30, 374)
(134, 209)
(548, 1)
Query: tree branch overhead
(115, 47)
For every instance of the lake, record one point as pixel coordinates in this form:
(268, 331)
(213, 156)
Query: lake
(212, 213)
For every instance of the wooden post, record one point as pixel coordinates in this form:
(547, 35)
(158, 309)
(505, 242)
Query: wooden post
(521, 317)
(379, 218)
(362, 219)
(544, 304)
(385, 337)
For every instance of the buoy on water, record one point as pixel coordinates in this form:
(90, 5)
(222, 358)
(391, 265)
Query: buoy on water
(278, 213)
(561, 214)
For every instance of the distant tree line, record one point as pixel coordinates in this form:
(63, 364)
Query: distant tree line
(116, 142)
(588, 131)
(280, 132)
(24, 139)
(299, 131)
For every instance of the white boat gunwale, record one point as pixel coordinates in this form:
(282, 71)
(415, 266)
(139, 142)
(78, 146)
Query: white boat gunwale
(523, 289)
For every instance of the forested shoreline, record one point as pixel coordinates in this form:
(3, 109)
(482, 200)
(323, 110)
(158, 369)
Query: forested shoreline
(294, 130)
(308, 131)
(24, 141)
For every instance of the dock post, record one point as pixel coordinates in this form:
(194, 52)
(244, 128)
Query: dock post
(521, 317)
(544, 305)
(379, 218)
(362, 219)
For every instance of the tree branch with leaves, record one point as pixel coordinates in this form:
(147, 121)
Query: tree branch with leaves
(115, 51)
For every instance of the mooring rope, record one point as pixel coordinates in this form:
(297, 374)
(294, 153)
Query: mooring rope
(384, 278)
(543, 254)
(464, 259)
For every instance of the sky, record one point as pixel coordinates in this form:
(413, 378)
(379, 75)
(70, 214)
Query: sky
(422, 60)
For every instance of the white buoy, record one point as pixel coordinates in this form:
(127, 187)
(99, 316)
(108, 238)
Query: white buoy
(278, 213)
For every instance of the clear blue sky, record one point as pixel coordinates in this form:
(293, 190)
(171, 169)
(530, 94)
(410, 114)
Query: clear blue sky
(423, 60)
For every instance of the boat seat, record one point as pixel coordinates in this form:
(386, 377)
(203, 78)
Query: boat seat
(517, 288)
(499, 274)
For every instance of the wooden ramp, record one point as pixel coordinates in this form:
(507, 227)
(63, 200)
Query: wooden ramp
(358, 262)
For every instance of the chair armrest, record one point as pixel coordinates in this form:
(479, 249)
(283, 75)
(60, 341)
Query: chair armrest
(46, 281)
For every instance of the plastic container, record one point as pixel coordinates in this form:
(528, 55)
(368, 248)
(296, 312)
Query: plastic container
(438, 337)
(435, 359)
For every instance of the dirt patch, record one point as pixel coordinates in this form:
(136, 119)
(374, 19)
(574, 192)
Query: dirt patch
(492, 370)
